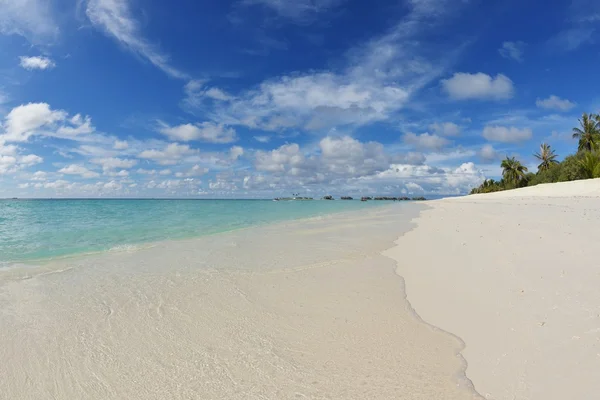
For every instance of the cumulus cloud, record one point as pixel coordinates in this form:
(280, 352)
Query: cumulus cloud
(479, 86)
(39, 176)
(505, 134)
(488, 153)
(445, 128)
(80, 170)
(115, 18)
(512, 50)
(11, 161)
(143, 171)
(37, 62)
(555, 103)
(338, 158)
(77, 125)
(426, 141)
(236, 152)
(120, 145)
(196, 170)
(30, 119)
(205, 131)
(23, 121)
(112, 163)
(172, 154)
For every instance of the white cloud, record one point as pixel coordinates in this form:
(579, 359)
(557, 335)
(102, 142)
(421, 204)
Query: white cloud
(143, 171)
(79, 126)
(279, 159)
(205, 131)
(572, 38)
(445, 128)
(426, 141)
(555, 103)
(513, 50)
(112, 163)
(31, 119)
(480, 86)
(165, 172)
(31, 19)
(120, 145)
(80, 170)
(122, 173)
(262, 139)
(196, 170)
(30, 159)
(39, 176)
(338, 158)
(172, 154)
(24, 120)
(236, 152)
(504, 134)
(115, 18)
(112, 185)
(38, 62)
(301, 11)
(488, 153)
(59, 184)
(218, 94)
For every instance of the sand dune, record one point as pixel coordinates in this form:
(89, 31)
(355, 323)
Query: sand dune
(515, 274)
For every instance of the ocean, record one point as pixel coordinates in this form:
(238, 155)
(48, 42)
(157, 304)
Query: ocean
(36, 230)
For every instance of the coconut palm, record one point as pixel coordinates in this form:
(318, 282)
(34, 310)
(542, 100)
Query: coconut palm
(513, 171)
(590, 165)
(588, 133)
(547, 156)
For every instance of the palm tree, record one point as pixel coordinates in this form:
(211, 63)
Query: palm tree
(589, 132)
(590, 165)
(513, 171)
(547, 156)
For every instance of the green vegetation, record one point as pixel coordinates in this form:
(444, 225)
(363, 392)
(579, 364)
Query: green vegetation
(584, 164)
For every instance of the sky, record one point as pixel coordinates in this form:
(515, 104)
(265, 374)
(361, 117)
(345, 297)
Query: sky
(265, 98)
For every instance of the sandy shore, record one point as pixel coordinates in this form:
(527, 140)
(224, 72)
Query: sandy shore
(515, 275)
(300, 310)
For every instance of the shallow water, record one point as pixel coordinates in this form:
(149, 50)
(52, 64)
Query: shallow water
(42, 229)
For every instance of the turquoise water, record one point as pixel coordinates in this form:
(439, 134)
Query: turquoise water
(44, 229)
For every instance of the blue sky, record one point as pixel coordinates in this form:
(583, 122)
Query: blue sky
(262, 98)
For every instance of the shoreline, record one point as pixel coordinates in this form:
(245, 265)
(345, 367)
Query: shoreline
(136, 246)
(333, 311)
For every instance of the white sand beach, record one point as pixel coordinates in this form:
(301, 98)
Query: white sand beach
(504, 285)
(515, 275)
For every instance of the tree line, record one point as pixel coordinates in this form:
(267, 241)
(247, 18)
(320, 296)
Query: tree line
(584, 164)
